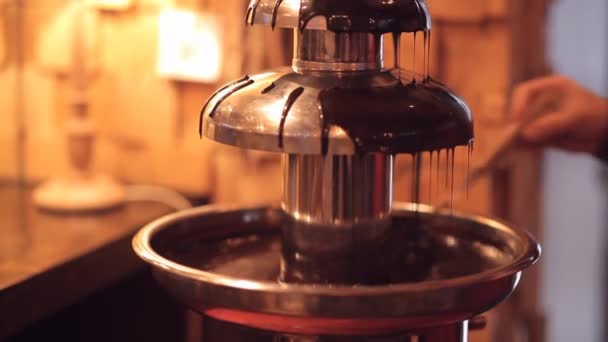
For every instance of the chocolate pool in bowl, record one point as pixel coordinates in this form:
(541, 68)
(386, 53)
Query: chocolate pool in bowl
(435, 268)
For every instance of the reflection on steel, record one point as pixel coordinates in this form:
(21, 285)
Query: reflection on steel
(350, 192)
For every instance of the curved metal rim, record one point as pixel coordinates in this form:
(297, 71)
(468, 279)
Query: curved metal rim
(288, 14)
(141, 245)
(340, 143)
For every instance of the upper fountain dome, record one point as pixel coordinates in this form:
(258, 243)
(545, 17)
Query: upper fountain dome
(378, 16)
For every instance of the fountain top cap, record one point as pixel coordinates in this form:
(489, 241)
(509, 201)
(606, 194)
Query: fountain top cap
(378, 16)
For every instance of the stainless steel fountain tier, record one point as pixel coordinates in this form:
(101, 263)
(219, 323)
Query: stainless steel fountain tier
(228, 264)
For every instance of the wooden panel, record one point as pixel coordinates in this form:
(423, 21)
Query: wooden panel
(8, 123)
(468, 10)
(8, 84)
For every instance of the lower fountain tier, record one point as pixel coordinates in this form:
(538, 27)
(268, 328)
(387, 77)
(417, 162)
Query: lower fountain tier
(436, 269)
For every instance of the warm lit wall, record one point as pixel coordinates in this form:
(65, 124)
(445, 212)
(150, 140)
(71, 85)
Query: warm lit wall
(8, 82)
(146, 125)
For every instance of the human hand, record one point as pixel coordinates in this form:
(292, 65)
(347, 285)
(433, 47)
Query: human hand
(577, 121)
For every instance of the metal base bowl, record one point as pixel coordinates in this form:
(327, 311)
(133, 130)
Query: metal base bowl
(226, 263)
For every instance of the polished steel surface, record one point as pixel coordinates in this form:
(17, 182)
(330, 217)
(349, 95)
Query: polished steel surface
(329, 202)
(287, 15)
(337, 51)
(251, 120)
(337, 190)
(457, 332)
(246, 291)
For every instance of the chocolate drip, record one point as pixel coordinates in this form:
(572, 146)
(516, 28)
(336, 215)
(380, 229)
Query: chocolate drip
(447, 163)
(324, 135)
(251, 11)
(268, 88)
(230, 92)
(452, 184)
(425, 65)
(233, 83)
(431, 176)
(469, 153)
(275, 11)
(293, 96)
(396, 119)
(397, 48)
(413, 178)
(428, 56)
(367, 15)
(417, 167)
(414, 63)
(437, 175)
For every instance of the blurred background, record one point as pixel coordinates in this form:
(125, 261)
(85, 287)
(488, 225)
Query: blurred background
(115, 87)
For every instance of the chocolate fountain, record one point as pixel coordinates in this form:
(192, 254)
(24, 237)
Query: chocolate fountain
(337, 261)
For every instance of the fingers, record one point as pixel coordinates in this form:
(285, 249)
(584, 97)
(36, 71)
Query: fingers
(548, 128)
(525, 93)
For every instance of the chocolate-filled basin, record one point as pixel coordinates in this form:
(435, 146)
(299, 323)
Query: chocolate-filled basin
(225, 263)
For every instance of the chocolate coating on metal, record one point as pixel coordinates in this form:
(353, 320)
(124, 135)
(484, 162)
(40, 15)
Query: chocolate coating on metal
(275, 11)
(293, 96)
(268, 88)
(378, 16)
(233, 83)
(406, 118)
(368, 15)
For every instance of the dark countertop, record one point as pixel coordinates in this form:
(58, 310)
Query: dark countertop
(49, 261)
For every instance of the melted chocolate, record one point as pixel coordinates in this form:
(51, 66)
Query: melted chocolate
(367, 15)
(394, 258)
(447, 163)
(268, 88)
(452, 184)
(469, 152)
(428, 53)
(424, 57)
(431, 176)
(397, 119)
(231, 84)
(293, 96)
(438, 167)
(228, 93)
(275, 11)
(417, 167)
(251, 12)
(414, 64)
